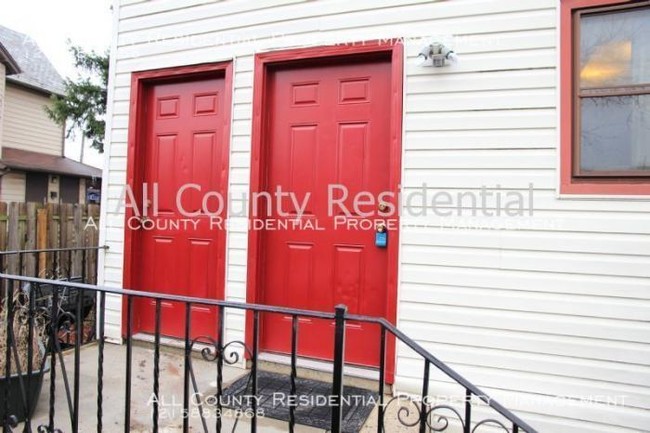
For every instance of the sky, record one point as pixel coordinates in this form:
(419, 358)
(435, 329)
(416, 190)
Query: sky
(86, 23)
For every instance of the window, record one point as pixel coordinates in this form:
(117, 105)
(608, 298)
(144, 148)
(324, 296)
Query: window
(605, 97)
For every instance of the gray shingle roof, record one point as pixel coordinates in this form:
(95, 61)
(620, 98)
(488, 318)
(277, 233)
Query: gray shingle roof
(37, 71)
(9, 62)
(35, 161)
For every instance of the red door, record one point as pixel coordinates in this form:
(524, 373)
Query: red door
(178, 251)
(326, 124)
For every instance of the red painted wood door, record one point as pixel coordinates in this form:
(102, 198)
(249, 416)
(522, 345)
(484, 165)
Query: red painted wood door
(327, 124)
(183, 255)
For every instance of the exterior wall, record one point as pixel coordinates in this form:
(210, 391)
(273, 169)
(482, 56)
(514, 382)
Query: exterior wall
(82, 191)
(13, 187)
(540, 317)
(53, 186)
(3, 70)
(26, 123)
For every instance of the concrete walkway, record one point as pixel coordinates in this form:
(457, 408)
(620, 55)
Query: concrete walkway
(171, 395)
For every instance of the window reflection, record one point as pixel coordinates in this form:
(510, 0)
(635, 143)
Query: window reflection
(615, 48)
(615, 133)
(614, 92)
(609, 63)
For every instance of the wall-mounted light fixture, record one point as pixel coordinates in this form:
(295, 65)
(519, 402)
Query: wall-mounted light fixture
(436, 55)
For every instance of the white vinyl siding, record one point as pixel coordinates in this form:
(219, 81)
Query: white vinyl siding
(27, 125)
(539, 317)
(13, 187)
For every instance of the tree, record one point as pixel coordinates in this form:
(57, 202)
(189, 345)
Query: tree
(84, 102)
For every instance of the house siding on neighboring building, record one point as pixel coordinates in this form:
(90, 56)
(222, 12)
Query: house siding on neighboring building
(2, 99)
(13, 187)
(534, 316)
(27, 125)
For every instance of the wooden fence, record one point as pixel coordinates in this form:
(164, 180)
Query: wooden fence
(28, 226)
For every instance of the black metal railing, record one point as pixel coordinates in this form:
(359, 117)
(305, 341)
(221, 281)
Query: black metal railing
(75, 264)
(420, 414)
(72, 263)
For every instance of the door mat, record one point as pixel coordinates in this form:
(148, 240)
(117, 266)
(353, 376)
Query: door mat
(311, 401)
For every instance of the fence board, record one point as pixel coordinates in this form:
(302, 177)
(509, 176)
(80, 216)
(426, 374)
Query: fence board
(13, 236)
(30, 240)
(53, 238)
(37, 226)
(91, 234)
(22, 231)
(64, 263)
(78, 239)
(41, 239)
(3, 226)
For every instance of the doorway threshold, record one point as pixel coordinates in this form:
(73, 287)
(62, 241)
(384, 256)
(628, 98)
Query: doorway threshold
(364, 377)
(168, 343)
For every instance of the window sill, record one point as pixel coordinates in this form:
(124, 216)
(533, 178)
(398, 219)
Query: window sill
(605, 190)
(603, 197)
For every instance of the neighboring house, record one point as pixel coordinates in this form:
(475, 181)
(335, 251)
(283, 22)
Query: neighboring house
(549, 312)
(32, 164)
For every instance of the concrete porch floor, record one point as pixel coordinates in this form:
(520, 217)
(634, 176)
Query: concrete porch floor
(171, 395)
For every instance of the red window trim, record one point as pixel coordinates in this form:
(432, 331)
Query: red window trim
(569, 184)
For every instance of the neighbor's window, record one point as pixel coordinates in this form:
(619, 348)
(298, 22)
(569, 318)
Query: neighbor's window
(611, 85)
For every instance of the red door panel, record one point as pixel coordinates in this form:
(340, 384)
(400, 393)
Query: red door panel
(327, 124)
(184, 143)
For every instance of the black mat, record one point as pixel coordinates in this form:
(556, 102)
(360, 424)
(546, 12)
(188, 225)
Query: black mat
(312, 405)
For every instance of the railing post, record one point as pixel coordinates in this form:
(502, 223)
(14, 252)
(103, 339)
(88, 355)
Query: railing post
(9, 314)
(339, 359)
(129, 362)
(382, 378)
(424, 414)
(186, 367)
(468, 411)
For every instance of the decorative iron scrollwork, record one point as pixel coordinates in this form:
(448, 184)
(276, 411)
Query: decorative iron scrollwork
(232, 357)
(10, 423)
(491, 421)
(408, 413)
(442, 419)
(214, 352)
(46, 429)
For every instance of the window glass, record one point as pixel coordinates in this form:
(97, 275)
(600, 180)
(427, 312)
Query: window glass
(615, 48)
(615, 133)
